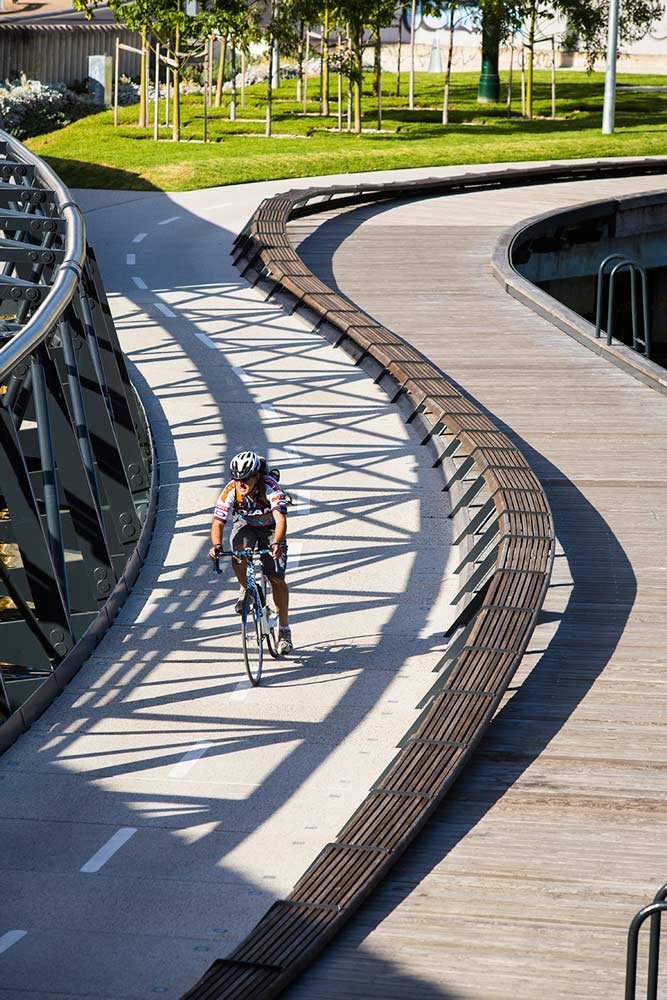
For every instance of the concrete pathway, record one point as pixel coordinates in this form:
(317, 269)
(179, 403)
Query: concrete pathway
(155, 812)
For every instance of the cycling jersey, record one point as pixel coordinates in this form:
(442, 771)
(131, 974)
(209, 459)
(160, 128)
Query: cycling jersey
(248, 508)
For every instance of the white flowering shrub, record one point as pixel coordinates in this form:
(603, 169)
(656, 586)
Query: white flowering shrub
(259, 72)
(31, 108)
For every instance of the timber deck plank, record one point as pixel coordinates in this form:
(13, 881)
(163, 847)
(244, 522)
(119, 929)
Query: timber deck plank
(524, 884)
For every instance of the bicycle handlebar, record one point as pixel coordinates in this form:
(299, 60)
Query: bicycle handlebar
(246, 553)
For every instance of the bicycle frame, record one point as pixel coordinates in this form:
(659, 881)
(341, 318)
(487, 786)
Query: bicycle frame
(255, 582)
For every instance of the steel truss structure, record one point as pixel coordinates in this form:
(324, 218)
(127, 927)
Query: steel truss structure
(75, 449)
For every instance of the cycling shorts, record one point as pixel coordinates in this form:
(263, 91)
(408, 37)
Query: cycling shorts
(255, 536)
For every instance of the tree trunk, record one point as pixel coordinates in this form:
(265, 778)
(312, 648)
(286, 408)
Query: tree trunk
(378, 75)
(509, 80)
(400, 47)
(356, 86)
(349, 81)
(339, 82)
(221, 71)
(299, 66)
(305, 74)
(411, 92)
(325, 62)
(488, 91)
(531, 47)
(448, 71)
(176, 124)
(275, 66)
(232, 103)
(321, 67)
(143, 80)
(269, 91)
(243, 72)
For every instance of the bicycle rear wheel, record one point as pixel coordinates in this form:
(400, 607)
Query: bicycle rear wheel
(253, 650)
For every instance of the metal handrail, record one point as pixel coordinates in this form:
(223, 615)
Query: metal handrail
(76, 455)
(640, 344)
(68, 273)
(653, 911)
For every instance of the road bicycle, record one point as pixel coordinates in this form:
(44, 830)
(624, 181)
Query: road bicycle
(258, 620)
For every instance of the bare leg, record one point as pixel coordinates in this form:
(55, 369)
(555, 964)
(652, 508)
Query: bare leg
(281, 597)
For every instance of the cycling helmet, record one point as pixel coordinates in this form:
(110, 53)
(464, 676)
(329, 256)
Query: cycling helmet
(245, 464)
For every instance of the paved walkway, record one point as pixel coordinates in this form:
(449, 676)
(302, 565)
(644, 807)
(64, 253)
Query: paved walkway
(159, 807)
(156, 811)
(524, 885)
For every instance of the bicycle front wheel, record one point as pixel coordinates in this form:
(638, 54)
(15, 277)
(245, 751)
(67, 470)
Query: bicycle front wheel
(272, 642)
(253, 650)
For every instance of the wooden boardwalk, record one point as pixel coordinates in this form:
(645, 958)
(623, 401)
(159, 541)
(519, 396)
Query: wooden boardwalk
(524, 885)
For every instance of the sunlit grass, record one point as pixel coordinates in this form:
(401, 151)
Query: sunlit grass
(92, 153)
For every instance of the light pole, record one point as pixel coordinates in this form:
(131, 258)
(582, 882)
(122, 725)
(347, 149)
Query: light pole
(609, 108)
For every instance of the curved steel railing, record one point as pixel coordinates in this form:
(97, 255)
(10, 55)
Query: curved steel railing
(76, 484)
(68, 274)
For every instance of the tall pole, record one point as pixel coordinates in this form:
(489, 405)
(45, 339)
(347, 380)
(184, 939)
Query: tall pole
(305, 71)
(115, 82)
(275, 68)
(156, 123)
(411, 85)
(143, 80)
(609, 109)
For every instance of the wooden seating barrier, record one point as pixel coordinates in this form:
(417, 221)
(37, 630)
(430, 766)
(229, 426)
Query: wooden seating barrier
(504, 528)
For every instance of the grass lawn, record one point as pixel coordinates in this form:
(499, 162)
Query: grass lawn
(92, 153)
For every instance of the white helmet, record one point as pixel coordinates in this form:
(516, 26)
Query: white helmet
(245, 464)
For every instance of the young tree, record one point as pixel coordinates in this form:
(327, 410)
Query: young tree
(182, 33)
(587, 19)
(361, 15)
(448, 71)
(220, 80)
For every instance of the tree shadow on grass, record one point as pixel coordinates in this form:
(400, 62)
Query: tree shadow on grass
(79, 173)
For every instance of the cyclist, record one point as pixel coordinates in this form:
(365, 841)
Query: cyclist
(259, 509)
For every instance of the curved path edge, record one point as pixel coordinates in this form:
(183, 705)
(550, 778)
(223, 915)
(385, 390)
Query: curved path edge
(555, 312)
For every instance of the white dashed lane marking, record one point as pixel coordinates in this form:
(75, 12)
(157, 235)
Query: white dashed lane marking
(189, 760)
(10, 938)
(139, 282)
(302, 502)
(131, 259)
(172, 218)
(241, 691)
(165, 310)
(139, 237)
(112, 845)
(294, 551)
